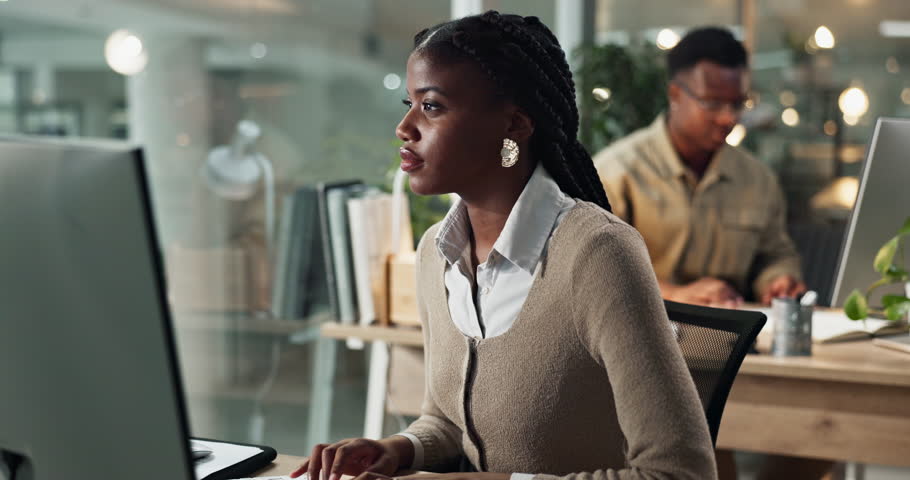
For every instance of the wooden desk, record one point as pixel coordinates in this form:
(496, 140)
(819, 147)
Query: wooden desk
(282, 465)
(847, 402)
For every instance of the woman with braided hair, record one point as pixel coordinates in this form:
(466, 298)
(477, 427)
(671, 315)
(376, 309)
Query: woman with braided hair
(547, 347)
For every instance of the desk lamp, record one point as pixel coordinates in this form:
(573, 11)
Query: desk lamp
(233, 171)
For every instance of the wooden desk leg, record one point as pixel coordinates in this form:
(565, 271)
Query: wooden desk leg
(377, 388)
(321, 395)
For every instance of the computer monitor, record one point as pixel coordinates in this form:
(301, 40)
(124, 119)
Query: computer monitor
(882, 205)
(90, 380)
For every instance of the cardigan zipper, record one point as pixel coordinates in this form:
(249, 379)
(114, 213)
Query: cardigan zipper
(468, 418)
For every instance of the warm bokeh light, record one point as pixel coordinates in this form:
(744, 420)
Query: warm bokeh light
(736, 136)
(787, 98)
(601, 94)
(667, 39)
(790, 117)
(853, 101)
(851, 119)
(125, 53)
(823, 37)
(840, 194)
(892, 65)
(905, 96)
(830, 128)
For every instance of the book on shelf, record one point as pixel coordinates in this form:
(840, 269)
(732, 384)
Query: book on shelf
(336, 246)
(370, 221)
(829, 326)
(297, 290)
(281, 258)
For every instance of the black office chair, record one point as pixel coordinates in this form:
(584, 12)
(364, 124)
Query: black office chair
(714, 343)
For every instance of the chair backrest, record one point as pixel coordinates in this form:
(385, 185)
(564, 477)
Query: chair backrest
(714, 343)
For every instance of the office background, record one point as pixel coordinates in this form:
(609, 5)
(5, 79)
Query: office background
(323, 82)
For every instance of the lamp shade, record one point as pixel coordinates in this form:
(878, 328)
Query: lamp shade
(233, 171)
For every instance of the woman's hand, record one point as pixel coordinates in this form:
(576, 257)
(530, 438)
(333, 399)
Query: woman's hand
(359, 457)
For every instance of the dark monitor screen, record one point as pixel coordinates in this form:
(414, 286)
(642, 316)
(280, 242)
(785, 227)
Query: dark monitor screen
(882, 205)
(89, 374)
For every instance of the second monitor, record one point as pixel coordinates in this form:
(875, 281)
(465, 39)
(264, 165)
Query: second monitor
(882, 205)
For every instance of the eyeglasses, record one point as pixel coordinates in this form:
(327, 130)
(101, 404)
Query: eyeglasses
(715, 106)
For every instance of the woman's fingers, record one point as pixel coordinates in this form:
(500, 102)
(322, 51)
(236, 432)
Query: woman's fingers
(300, 470)
(315, 461)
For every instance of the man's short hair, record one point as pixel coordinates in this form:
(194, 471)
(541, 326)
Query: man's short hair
(713, 44)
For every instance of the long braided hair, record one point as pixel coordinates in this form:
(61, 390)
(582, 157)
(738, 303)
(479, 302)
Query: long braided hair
(529, 67)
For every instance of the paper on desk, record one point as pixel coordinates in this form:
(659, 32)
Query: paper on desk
(223, 455)
(827, 325)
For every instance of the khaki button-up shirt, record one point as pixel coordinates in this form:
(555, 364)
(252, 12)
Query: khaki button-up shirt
(728, 225)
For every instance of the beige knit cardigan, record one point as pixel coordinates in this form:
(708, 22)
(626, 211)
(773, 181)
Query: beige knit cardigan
(588, 383)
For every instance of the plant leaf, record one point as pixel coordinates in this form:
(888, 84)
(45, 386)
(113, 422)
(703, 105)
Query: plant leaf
(888, 300)
(885, 256)
(856, 306)
(897, 311)
(905, 230)
(895, 275)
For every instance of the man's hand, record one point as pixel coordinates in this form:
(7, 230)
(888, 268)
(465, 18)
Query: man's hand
(707, 291)
(782, 286)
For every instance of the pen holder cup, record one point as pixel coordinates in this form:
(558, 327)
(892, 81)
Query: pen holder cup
(792, 332)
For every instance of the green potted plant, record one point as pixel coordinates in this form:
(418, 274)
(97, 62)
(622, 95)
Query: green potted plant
(620, 89)
(889, 262)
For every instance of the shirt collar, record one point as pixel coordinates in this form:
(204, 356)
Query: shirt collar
(669, 163)
(526, 231)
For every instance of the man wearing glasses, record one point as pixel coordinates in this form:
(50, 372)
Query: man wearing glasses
(712, 216)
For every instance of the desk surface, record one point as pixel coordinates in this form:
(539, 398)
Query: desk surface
(282, 465)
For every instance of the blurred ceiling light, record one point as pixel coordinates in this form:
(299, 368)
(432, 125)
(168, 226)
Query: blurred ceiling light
(667, 39)
(892, 66)
(851, 119)
(125, 53)
(391, 81)
(601, 94)
(905, 95)
(736, 136)
(853, 102)
(839, 194)
(790, 117)
(258, 50)
(823, 37)
(830, 128)
(894, 28)
(787, 98)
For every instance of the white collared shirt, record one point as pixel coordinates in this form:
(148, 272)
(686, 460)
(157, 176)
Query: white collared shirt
(505, 277)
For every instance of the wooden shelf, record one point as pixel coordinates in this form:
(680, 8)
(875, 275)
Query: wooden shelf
(410, 336)
(246, 323)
